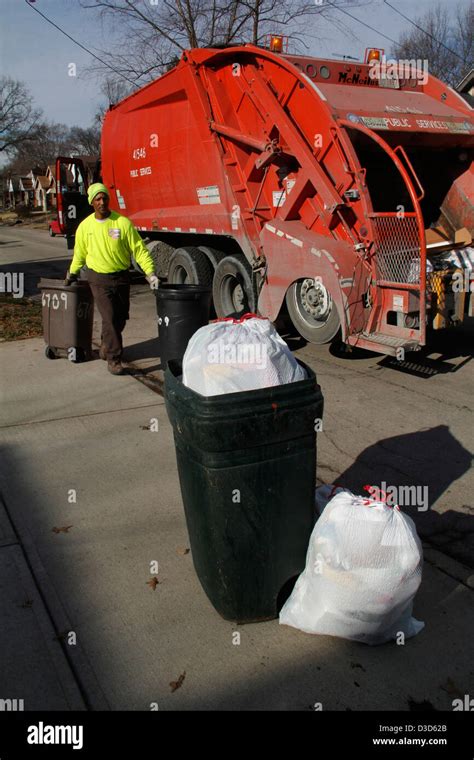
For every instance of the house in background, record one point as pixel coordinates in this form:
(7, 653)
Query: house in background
(34, 188)
(41, 187)
(37, 188)
(51, 192)
(12, 192)
(27, 191)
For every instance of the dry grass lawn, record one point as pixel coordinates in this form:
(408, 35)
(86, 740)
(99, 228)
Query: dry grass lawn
(20, 318)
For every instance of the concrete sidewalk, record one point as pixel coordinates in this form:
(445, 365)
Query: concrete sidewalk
(78, 458)
(34, 671)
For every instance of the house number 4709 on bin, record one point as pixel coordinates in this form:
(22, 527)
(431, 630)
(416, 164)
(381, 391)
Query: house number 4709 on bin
(53, 300)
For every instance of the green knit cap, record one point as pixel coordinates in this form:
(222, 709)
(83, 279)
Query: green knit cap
(95, 189)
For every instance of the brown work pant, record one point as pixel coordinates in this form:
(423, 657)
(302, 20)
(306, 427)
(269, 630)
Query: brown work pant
(112, 296)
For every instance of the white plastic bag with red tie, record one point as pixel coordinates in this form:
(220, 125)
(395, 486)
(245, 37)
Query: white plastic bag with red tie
(363, 569)
(234, 355)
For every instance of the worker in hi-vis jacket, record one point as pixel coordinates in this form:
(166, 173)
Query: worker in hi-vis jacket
(105, 242)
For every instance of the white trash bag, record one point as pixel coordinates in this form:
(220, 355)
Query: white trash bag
(363, 569)
(232, 355)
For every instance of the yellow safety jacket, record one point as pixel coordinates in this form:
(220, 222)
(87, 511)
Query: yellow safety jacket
(106, 245)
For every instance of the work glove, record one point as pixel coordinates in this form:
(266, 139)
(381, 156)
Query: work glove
(153, 281)
(70, 277)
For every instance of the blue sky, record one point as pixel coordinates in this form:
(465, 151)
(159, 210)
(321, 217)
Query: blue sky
(34, 52)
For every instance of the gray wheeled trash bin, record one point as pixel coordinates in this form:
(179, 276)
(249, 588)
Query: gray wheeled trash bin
(68, 316)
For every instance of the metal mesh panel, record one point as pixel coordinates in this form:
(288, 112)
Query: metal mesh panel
(397, 249)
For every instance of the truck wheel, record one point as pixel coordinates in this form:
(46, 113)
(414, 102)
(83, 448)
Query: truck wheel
(190, 266)
(233, 290)
(312, 311)
(161, 254)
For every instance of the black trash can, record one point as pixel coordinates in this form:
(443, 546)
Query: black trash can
(182, 309)
(247, 470)
(68, 318)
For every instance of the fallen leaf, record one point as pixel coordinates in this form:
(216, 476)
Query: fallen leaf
(153, 582)
(182, 550)
(62, 530)
(177, 684)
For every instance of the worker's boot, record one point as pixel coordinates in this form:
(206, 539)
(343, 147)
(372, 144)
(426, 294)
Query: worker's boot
(115, 367)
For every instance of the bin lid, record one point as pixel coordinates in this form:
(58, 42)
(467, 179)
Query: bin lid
(55, 283)
(181, 291)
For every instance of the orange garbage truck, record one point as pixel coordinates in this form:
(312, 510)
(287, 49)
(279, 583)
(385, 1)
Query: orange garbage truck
(336, 190)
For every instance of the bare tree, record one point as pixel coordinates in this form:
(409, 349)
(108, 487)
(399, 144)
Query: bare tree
(444, 38)
(152, 34)
(463, 33)
(19, 119)
(51, 140)
(112, 90)
(85, 141)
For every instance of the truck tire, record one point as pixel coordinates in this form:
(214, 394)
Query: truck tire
(189, 265)
(312, 311)
(233, 290)
(161, 254)
(212, 254)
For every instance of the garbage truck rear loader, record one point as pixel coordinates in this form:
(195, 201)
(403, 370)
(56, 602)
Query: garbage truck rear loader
(311, 183)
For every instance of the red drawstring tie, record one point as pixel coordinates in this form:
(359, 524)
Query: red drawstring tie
(382, 496)
(248, 315)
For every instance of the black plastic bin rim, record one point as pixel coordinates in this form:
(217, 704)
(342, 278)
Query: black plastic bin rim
(272, 392)
(58, 284)
(181, 292)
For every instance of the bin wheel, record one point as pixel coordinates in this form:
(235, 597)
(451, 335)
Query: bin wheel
(191, 266)
(233, 290)
(313, 311)
(50, 353)
(51, 233)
